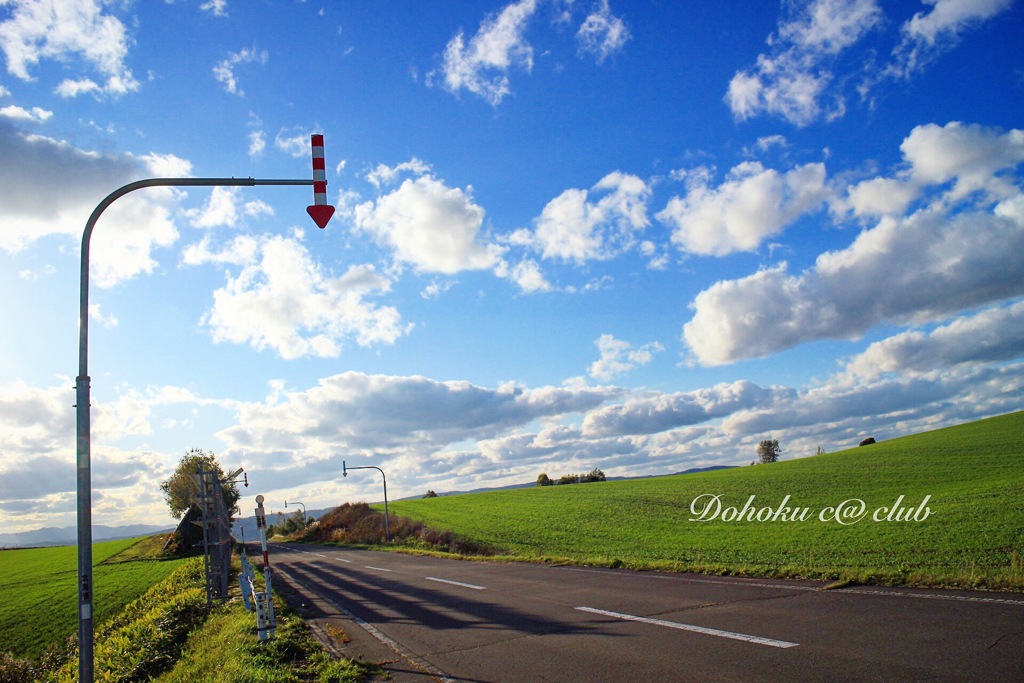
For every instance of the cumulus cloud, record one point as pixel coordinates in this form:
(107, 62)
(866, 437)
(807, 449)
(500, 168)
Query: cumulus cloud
(378, 412)
(281, 300)
(482, 66)
(575, 227)
(753, 204)
(602, 34)
(35, 115)
(430, 226)
(966, 159)
(62, 30)
(791, 80)
(941, 259)
(658, 412)
(127, 233)
(224, 72)
(991, 335)
(223, 207)
(619, 357)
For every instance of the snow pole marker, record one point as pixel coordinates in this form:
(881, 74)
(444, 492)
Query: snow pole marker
(320, 211)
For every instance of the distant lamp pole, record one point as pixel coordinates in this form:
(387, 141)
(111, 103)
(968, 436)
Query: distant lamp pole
(320, 212)
(387, 524)
(295, 502)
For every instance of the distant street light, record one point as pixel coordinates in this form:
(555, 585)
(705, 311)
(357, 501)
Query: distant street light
(320, 212)
(387, 524)
(295, 502)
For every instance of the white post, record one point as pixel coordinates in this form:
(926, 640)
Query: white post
(261, 524)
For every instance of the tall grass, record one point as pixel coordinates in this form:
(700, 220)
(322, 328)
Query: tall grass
(973, 475)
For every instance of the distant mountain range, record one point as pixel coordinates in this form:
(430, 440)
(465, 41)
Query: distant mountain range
(242, 527)
(68, 535)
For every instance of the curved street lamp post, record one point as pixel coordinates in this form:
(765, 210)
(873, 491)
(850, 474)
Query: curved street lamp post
(295, 502)
(320, 213)
(387, 524)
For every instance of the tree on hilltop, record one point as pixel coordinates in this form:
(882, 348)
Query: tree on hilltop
(768, 451)
(180, 487)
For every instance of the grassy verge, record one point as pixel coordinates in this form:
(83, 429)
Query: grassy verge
(973, 535)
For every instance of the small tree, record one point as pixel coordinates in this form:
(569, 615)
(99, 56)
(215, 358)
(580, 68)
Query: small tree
(180, 487)
(430, 494)
(768, 451)
(544, 480)
(594, 475)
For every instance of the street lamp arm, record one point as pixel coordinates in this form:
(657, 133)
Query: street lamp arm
(83, 308)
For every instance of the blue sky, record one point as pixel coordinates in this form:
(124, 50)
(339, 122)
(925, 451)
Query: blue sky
(569, 234)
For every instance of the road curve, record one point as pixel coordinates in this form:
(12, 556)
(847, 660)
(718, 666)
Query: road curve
(450, 620)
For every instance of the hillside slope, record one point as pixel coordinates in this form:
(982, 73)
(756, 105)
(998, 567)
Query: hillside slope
(969, 531)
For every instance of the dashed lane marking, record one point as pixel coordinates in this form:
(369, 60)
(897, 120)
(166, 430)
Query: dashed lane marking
(770, 642)
(457, 583)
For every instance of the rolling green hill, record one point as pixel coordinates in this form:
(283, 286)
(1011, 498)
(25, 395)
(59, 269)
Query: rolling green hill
(965, 484)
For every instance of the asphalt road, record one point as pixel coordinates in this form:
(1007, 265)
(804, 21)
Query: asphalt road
(434, 619)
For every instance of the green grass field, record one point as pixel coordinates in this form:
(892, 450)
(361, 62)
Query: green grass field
(39, 592)
(973, 536)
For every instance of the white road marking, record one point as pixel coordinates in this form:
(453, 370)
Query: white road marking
(339, 559)
(457, 583)
(380, 569)
(687, 627)
(810, 589)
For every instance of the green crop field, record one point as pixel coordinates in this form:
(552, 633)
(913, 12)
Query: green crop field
(39, 591)
(970, 532)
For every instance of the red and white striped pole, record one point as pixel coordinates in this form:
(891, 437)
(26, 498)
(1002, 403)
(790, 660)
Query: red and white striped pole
(320, 211)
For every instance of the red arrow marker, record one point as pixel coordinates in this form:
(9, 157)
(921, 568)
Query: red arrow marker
(320, 211)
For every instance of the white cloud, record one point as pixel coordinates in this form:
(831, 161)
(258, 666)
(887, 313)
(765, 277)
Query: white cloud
(281, 300)
(224, 72)
(572, 227)
(935, 262)
(257, 143)
(36, 115)
(218, 8)
(482, 66)
(602, 34)
(294, 142)
(927, 36)
(654, 412)
(619, 357)
(60, 30)
(752, 205)
(793, 78)
(387, 175)
(127, 232)
(968, 158)
(223, 207)
(527, 275)
(976, 158)
(430, 226)
(991, 335)
(380, 413)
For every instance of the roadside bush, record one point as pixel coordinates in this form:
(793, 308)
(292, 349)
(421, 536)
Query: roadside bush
(359, 524)
(14, 670)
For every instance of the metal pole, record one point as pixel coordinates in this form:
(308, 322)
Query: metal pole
(387, 524)
(82, 398)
